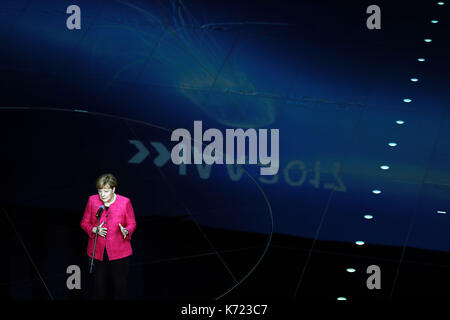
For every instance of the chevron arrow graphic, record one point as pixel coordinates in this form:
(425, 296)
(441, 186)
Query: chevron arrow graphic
(142, 152)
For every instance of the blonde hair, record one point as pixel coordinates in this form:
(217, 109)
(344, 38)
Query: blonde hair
(106, 179)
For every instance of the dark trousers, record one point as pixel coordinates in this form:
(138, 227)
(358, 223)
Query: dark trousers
(118, 269)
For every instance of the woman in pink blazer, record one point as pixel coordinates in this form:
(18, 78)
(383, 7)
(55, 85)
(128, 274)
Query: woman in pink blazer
(113, 247)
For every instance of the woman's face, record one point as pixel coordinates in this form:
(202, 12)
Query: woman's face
(106, 193)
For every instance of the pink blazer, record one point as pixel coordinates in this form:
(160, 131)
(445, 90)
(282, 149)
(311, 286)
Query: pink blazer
(121, 211)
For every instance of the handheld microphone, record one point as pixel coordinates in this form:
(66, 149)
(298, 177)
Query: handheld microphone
(100, 210)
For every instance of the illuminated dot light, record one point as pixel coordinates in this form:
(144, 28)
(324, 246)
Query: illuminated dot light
(351, 270)
(342, 298)
(384, 167)
(414, 79)
(400, 122)
(368, 216)
(441, 3)
(392, 144)
(359, 243)
(441, 212)
(421, 59)
(434, 21)
(407, 100)
(427, 40)
(376, 191)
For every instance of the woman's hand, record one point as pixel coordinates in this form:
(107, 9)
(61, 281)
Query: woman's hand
(123, 230)
(101, 231)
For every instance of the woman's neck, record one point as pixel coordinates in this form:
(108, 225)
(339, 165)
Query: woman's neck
(110, 203)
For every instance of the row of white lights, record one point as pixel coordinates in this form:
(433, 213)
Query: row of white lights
(394, 144)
